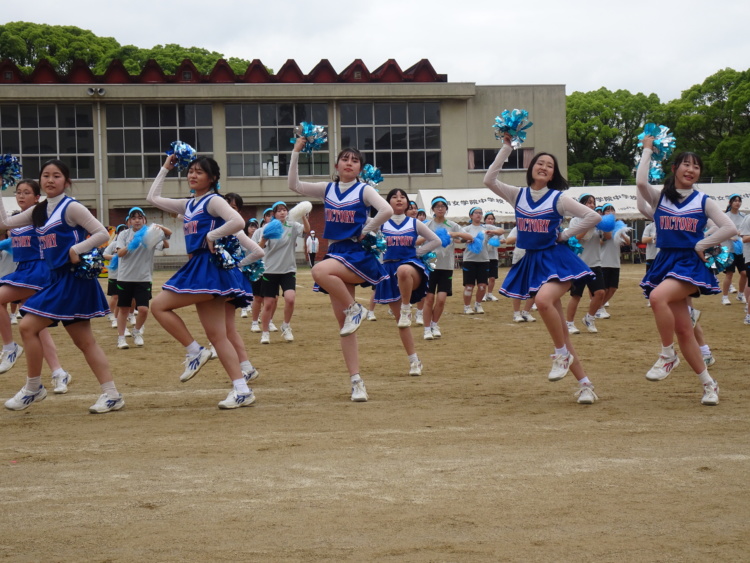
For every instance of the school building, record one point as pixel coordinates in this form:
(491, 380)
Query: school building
(421, 130)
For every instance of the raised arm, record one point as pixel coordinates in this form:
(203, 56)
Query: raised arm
(507, 192)
(645, 190)
(315, 189)
(154, 197)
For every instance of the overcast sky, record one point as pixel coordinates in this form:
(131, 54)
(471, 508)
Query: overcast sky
(661, 47)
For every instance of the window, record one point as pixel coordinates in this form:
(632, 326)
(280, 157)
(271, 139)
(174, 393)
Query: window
(481, 159)
(37, 133)
(138, 135)
(258, 139)
(397, 137)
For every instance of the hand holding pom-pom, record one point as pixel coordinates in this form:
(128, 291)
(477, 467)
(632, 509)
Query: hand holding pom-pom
(494, 241)
(10, 170)
(374, 244)
(138, 239)
(429, 261)
(575, 246)
(371, 175)
(89, 266)
(315, 136)
(274, 230)
(475, 246)
(254, 271)
(607, 223)
(718, 258)
(515, 123)
(298, 212)
(445, 238)
(184, 154)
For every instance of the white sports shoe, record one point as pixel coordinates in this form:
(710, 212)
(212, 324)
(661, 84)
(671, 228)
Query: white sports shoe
(10, 358)
(193, 364)
(732, 289)
(24, 398)
(740, 298)
(436, 331)
(527, 317)
(255, 327)
(272, 327)
(287, 334)
(354, 314)
(478, 309)
(590, 324)
(371, 316)
(490, 297)
(710, 394)
(747, 319)
(602, 314)
(428, 334)
(606, 304)
(359, 393)
(105, 404)
(214, 355)
(404, 321)
(419, 318)
(662, 368)
(251, 375)
(122, 344)
(137, 337)
(131, 319)
(236, 400)
(415, 368)
(468, 310)
(114, 323)
(518, 317)
(709, 360)
(127, 332)
(572, 328)
(61, 383)
(586, 395)
(560, 366)
(533, 307)
(13, 319)
(725, 300)
(695, 314)
(243, 313)
(265, 338)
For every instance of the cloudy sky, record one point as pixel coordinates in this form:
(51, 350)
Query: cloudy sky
(661, 47)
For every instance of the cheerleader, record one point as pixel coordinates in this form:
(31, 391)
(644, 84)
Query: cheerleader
(549, 265)
(591, 255)
(135, 268)
(492, 273)
(30, 275)
(60, 223)
(408, 277)
(678, 271)
(347, 264)
(201, 281)
(734, 214)
(280, 272)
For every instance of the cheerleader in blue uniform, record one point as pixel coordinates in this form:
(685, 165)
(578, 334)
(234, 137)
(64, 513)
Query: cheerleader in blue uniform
(62, 225)
(407, 283)
(678, 271)
(30, 276)
(549, 266)
(201, 281)
(346, 265)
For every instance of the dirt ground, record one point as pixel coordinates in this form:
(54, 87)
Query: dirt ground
(480, 459)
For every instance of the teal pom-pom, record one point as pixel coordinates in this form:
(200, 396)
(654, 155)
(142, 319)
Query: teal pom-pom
(445, 238)
(274, 230)
(475, 246)
(607, 224)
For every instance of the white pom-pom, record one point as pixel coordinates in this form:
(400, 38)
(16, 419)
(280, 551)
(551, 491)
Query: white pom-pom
(297, 212)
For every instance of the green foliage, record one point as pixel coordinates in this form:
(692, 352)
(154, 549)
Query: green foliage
(27, 43)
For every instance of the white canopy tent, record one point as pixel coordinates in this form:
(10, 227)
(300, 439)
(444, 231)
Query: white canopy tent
(460, 201)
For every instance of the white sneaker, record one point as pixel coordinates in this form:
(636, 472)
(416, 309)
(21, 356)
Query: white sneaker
(468, 310)
(419, 318)
(214, 355)
(572, 328)
(354, 314)
(518, 317)
(415, 368)
(602, 314)
(24, 398)
(606, 304)
(732, 289)
(359, 393)
(287, 334)
(122, 344)
(533, 307)
(371, 316)
(236, 400)
(251, 375)
(490, 297)
(740, 298)
(105, 404)
(272, 327)
(695, 314)
(10, 358)
(193, 364)
(404, 321)
(436, 331)
(478, 309)
(255, 327)
(265, 338)
(13, 319)
(114, 323)
(560, 366)
(590, 324)
(131, 319)
(709, 360)
(747, 319)
(61, 383)
(138, 337)
(586, 395)
(127, 332)
(527, 317)
(710, 394)
(725, 300)
(243, 313)
(662, 368)
(428, 334)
